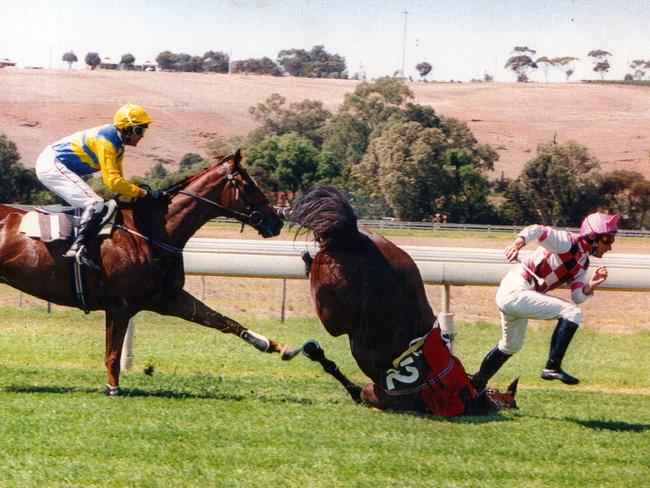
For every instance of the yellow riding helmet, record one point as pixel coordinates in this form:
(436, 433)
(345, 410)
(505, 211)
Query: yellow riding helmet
(130, 115)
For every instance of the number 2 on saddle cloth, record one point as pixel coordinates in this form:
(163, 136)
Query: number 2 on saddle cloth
(429, 370)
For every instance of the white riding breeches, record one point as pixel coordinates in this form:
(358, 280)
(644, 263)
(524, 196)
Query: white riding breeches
(57, 178)
(518, 301)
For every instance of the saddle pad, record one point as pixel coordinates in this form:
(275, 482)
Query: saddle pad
(429, 369)
(46, 227)
(53, 227)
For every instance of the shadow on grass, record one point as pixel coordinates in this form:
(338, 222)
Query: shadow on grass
(462, 419)
(47, 389)
(613, 425)
(172, 394)
(221, 395)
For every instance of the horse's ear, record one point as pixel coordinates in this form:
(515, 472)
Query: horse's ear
(237, 157)
(512, 387)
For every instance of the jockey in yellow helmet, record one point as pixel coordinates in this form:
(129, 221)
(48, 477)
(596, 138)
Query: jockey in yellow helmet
(61, 165)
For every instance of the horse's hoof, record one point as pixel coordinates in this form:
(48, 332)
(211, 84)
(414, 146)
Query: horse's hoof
(311, 348)
(112, 391)
(288, 352)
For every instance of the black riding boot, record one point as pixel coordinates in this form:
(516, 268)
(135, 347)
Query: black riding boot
(87, 226)
(562, 335)
(489, 367)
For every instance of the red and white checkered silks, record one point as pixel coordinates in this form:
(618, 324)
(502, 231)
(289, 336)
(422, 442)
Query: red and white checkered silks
(562, 258)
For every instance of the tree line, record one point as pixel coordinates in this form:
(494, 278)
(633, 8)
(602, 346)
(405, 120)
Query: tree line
(313, 63)
(523, 59)
(394, 157)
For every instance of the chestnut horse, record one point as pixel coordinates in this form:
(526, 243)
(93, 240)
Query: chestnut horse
(365, 286)
(141, 262)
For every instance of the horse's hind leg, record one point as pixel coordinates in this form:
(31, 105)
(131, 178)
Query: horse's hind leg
(187, 307)
(116, 326)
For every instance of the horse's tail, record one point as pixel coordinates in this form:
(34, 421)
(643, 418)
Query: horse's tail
(327, 213)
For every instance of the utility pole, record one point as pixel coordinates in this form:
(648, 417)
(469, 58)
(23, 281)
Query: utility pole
(232, 15)
(404, 45)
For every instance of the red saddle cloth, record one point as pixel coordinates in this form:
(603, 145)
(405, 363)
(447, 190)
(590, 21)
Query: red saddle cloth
(445, 380)
(429, 370)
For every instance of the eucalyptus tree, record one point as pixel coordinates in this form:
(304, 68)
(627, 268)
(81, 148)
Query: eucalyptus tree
(600, 60)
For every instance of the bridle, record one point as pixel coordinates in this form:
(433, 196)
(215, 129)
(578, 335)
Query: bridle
(252, 217)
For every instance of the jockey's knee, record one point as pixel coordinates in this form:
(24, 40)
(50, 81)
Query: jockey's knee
(572, 314)
(98, 205)
(511, 345)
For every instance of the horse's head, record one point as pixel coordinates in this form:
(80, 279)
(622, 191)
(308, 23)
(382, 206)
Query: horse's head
(250, 200)
(232, 192)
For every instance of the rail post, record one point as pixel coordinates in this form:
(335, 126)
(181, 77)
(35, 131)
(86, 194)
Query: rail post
(446, 318)
(284, 300)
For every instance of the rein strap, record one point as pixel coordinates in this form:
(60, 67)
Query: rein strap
(153, 242)
(215, 204)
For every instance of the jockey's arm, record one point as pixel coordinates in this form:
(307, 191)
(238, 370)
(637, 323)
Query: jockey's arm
(112, 174)
(557, 241)
(579, 290)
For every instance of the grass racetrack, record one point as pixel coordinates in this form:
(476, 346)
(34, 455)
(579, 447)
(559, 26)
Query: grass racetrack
(216, 412)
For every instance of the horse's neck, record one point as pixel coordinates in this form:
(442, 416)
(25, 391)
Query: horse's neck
(187, 214)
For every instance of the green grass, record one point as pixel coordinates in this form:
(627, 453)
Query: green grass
(499, 237)
(216, 412)
(289, 233)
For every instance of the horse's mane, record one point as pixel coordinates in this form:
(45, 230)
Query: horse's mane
(188, 179)
(327, 213)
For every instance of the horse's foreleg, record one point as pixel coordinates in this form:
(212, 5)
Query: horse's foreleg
(116, 326)
(187, 307)
(315, 352)
(308, 260)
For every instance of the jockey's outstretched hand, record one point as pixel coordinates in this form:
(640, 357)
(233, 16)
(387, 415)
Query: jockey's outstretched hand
(600, 275)
(512, 251)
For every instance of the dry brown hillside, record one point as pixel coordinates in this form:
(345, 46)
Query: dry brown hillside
(38, 107)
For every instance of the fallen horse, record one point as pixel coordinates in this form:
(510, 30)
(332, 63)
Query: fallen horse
(366, 287)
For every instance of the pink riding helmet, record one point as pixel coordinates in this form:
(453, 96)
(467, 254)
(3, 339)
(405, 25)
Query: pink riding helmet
(598, 223)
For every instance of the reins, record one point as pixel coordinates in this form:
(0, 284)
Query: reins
(153, 242)
(254, 218)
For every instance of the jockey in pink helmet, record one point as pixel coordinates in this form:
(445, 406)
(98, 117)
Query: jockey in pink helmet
(562, 258)
(599, 228)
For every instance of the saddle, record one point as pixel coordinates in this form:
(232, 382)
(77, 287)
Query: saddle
(60, 223)
(56, 222)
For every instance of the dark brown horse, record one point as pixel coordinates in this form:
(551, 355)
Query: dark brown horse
(141, 263)
(368, 288)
